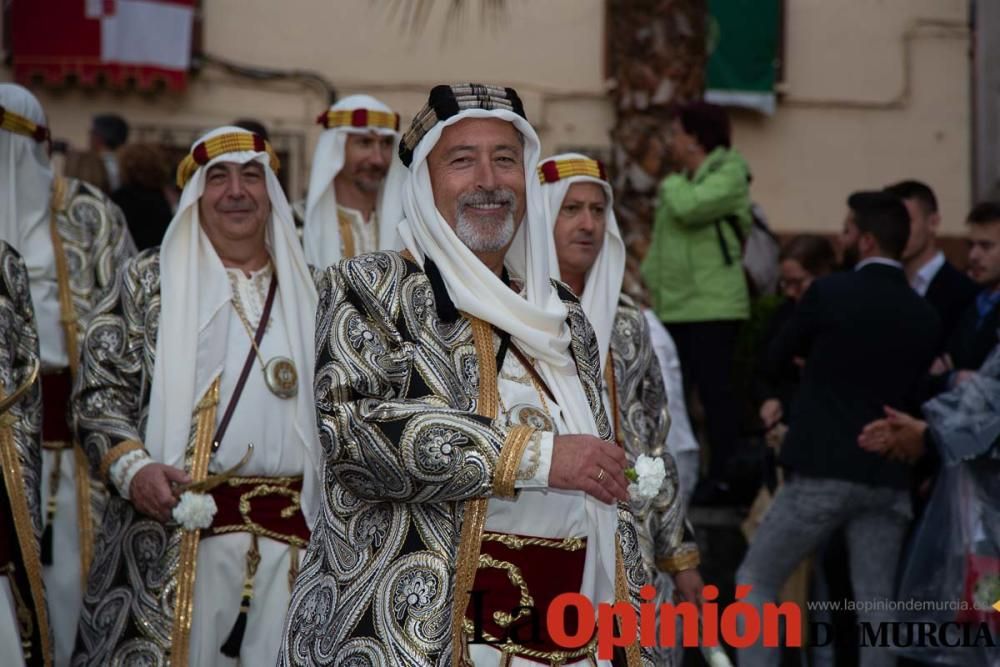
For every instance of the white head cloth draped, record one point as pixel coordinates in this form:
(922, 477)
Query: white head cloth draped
(194, 319)
(321, 231)
(25, 193)
(604, 280)
(537, 321)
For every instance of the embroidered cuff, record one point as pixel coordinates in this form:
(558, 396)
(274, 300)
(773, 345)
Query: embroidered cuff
(536, 461)
(125, 468)
(509, 462)
(685, 558)
(115, 453)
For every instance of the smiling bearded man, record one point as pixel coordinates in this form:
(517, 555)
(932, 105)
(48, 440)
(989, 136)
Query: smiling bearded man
(458, 389)
(203, 346)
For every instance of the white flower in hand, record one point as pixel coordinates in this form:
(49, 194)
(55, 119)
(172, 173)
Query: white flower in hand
(195, 510)
(647, 477)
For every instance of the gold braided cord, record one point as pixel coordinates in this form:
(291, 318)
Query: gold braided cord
(519, 542)
(574, 167)
(345, 117)
(85, 514)
(633, 654)
(13, 477)
(233, 142)
(265, 486)
(18, 124)
(474, 516)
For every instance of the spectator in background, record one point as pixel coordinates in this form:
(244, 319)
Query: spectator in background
(802, 260)
(976, 333)
(867, 339)
(145, 176)
(933, 277)
(695, 276)
(87, 167)
(108, 133)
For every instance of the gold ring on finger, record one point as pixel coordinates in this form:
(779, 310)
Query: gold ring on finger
(600, 475)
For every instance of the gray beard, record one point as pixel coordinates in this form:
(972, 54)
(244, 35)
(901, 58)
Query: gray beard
(479, 237)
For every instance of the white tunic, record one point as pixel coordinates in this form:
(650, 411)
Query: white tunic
(365, 233)
(268, 421)
(539, 511)
(10, 639)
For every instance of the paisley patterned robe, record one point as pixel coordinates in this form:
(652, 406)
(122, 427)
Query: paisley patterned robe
(91, 242)
(137, 605)
(406, 394)
(21, 458)
(666, 538)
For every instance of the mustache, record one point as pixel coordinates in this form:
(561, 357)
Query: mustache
(500, 196)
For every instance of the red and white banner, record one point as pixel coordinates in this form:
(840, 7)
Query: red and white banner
(117, 42)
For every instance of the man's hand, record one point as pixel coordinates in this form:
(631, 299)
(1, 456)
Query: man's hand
(771, 412)
(899, 436)
(961, 377)
(151, 491)
(688, 587)
(589, 464)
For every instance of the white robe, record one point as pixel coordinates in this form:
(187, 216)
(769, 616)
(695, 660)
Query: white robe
(539, 511)
(10, 640)
(267, 421)
(365, 233)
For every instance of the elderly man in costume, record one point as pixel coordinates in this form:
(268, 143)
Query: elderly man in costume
(464, 435)
(24, 626)
(342, 216)
(204, 348)
(73, 239)
(591, 260)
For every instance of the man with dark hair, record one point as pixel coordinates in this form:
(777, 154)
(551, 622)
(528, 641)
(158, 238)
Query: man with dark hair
(867, 339)
(933, 277)
(108, 133)
(976, 332)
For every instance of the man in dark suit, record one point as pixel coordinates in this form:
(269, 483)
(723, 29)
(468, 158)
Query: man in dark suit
(933, 277)
(867, 339)
(977, 331)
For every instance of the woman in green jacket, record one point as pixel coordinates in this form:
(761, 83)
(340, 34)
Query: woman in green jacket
(695, 275)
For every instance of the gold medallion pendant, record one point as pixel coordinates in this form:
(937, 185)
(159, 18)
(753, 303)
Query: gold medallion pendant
(281, 377)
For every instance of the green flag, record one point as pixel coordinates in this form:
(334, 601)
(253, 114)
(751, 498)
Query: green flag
(743, 45)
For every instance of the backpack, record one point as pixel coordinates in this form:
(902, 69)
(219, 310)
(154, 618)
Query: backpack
(759, 250)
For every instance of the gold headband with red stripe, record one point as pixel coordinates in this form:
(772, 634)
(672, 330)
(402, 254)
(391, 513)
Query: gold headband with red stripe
(18, 124)
(234, 142)
(359, 118)
(551, 171)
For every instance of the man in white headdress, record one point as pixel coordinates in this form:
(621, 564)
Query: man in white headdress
(73, 239)
(352, 159)
(591, 260)
(458, 389)
(204, 346)
(25, 638)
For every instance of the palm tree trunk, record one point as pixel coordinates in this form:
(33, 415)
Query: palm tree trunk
(657, 52)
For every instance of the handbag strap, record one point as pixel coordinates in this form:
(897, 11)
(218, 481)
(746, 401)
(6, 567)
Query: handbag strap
(245, 373)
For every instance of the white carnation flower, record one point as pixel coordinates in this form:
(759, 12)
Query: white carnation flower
(647, 477)
(195, 510)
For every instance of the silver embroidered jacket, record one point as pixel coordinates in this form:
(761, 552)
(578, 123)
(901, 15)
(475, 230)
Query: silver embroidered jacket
(92, 242)
(137, 579)
(21, 458)
(665, 537)
(406, 400)
(96, 242)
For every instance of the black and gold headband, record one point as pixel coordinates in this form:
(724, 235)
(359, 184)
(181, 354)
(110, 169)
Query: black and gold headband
(447, 101)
